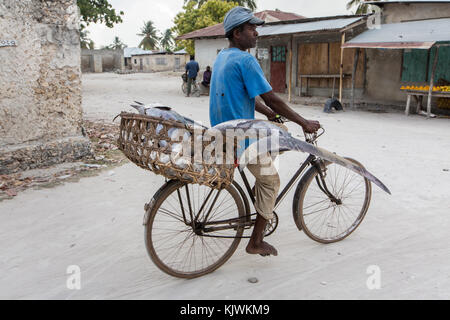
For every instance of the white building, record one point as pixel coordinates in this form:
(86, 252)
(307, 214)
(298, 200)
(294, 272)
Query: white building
(210, 41)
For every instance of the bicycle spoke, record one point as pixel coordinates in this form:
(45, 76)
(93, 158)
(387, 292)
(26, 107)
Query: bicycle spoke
(327, 220)
(183, 249)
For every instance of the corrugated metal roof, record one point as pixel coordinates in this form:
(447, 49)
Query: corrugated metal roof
(128, 52)
(182, 51)
(298, 27)
(218, 31)
(412, 34)
(406, 1)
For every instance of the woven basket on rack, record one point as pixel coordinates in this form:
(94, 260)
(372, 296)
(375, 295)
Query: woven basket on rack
(157, 145)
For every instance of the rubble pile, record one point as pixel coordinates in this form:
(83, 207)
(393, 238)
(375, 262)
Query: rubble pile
(103, 137)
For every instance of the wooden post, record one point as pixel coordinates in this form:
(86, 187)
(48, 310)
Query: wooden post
(341, 67)
(408, 104)
(355, 66)
(433, 72)
(290, 70)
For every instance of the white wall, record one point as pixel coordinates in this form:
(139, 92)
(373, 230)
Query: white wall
(206, 51)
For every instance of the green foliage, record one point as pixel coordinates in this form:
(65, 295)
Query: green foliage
(85, 42)
(193, 18)
(98, 11)
(251, 4)
(117, 44)
(166, 42)
(150, 34)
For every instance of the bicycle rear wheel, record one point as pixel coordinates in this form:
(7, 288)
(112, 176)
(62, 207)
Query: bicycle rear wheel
(189, 250)
(326, 219)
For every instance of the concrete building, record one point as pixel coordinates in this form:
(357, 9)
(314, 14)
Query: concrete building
(401, 51)
(102, 60)
(304, 57)
(159, 61)
(211, 40)
(40, 87)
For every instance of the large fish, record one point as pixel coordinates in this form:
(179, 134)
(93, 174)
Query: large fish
(283, 141)
(163, 112)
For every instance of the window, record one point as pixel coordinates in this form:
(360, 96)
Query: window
(135, 61)
(278, 54)
(161, 61)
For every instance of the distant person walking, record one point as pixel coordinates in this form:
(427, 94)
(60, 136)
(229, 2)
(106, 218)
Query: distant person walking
(192, 69)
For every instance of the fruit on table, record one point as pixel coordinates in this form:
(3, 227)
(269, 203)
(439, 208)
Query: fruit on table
(426, 88)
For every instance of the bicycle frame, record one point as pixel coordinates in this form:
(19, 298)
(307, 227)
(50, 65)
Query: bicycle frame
(309, 161)
(206, 227)
(198, 226)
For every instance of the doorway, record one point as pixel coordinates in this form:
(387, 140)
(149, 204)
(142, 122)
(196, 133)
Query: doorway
(278, 68)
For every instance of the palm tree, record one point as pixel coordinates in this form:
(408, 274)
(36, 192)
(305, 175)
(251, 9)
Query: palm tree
(117, 44)
(85, 42)
(167, 40)
(362, 8)
(251, 4)
(149, 32)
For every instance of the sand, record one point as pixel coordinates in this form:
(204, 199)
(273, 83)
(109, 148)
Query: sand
(96, 223)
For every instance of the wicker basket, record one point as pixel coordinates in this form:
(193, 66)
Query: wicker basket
(150, 143)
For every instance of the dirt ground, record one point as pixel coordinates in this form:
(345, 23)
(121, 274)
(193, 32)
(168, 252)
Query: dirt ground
(95, 223)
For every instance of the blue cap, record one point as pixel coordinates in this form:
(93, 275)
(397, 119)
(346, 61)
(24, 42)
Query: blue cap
(239, 15)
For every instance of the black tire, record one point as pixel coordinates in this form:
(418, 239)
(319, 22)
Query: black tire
(167, 249)
(326, 211)
(184, 87)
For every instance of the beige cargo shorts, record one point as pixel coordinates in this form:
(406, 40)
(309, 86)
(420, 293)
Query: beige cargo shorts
(267, 185)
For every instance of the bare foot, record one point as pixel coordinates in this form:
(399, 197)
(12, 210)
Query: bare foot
(263, 249)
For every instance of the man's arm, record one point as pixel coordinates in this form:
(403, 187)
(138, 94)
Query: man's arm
(279, 107)
(261, 108)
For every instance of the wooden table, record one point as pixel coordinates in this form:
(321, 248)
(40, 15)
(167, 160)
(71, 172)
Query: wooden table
(418, 95)
(319, 76)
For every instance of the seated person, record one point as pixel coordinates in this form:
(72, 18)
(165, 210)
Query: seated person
(207, 77)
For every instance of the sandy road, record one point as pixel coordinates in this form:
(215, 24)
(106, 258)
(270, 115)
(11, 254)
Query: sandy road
(96, 224)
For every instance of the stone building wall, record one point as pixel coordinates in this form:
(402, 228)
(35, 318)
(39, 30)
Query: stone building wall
(40, 85)
(102, 60)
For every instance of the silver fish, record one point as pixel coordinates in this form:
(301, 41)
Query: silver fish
(166, 113)
(285, 142)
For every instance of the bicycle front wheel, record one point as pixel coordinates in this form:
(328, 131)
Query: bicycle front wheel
(186, 247)
(329, 218)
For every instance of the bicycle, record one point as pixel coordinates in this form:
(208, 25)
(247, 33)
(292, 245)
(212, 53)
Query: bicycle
(195, 89)
(192, 230)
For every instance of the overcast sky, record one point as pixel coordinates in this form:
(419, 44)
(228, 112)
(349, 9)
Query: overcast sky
(162, 13)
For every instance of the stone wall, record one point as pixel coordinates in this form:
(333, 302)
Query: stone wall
(40, 85)
(401, 12)
(158, 62)
(102, 60)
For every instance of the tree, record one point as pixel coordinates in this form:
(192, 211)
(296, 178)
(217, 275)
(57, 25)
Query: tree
(85, 42)
(167, 40)
(251, 4)
(151, 38)
(117, 44)
(361, 7)
(193, 18)
(98, 11)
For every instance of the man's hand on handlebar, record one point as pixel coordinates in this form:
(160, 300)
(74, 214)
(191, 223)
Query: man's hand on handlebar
(311, 126)
(277, 118)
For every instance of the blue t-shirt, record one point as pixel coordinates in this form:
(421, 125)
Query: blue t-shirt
(236, 81)
(192, 68)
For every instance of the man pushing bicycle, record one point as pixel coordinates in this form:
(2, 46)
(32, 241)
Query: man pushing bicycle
(236, 82)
